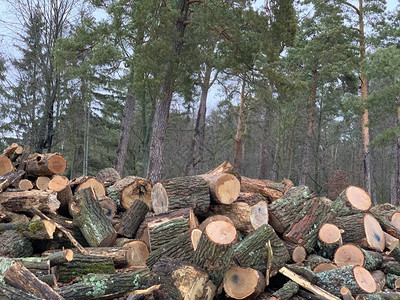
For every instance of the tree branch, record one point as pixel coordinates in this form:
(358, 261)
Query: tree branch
(352, 6)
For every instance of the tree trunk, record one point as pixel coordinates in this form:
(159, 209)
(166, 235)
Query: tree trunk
(237, 155)
(311, 115)
(126, 126)
(156, 154)
(398, 156)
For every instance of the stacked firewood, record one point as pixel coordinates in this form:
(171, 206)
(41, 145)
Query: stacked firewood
(212, 236)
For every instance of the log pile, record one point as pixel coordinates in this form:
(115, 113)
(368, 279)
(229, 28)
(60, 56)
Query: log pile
(212, 236)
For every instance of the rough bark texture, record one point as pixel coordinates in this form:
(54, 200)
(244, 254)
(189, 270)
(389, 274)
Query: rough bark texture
(89, 217)
(383, 213)
(9, 178)
(132, 218)
(352, 226)
(12, 293)
(269, 189)
(108, 176)
(35, 230)
(343, 207)
(45, 164)
(237, 161)
(13, 243)
(23, 201)
(288, 290)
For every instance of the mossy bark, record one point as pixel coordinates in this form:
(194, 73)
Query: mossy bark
(35, 230)
(162, 233)
(288, 290)
(342, 206)
(313, 260)
(15, 244)
(392, 267)
(352, 226)
(373, 260)
(132, 218)
(391, 281)
(12, 293)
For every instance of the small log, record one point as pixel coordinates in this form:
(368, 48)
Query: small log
(84, 182)
(190, 281)
(159, 198)
(329, 239)
(108, 176)
(140, 253)
(325, 267)
(312, 261)
(346, 293)
(391, 267)
(357, 279)
(252, 252)
(50, 280)
(23, 201)
(81, 265)
(352, 200)
(95, 286)
(60, 257)
(65, 197)
(288, 290)
(42, 183)
(297, 252)
(15, 244)
(380, 279)
(6, 165)
(243, 283)
(35, 230)
(269, 189)
(348, 254)
(16, 275)
(213, 218)
(393, 281)
(227, 168)
(45, 164)
(393, 245)
(25, 185)
(374, 233)
(128, 189)
(384, 213)
(352, 227)
(9, 178)
(195, 237)
(37, 265)
(215, 249)
(109, 207)
(286, 210)
(89, 217)
(133, 218)
(224, 188)
(12, 293)
(9, 151)
(57, 183)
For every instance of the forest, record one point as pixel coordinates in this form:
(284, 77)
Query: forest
(307, 90)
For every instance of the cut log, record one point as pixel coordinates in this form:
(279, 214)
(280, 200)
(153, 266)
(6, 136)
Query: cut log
(128, 189)
(269, 189)
(109, 206)
(395, 220)
(297, 252)
(159, 198)
(11, 293)
(50, 280)
(89, 217)
(215, 249)
(195, 237)
(384, 213)
(140, 252)
(35, 230)
(9, 151)
(108, 176)
(42, 183)
(213, 218)
(374, 233)
(190, 281)
(13, 243)
(57, 183)
(36, 265)
(250, 198)
(393, 281)
(45, 164)
(391, 267)
(85, 182)
(346, 293)
(312, 261)
(305, 230)
(5, 165)
(378, 296)
(288, 290)
(352, 227)
(95, 286)
(227, 168)
(286, 210)
(81, 265)
(243, 283)
(183, 192)
(9, 178)
(325, 267)
(352, 200)
(132, 218)
(23, 201)
(17, 276)
(357, 279)
(347, 255)
(329, 239)
(25, 185)
(380, 279)
(65, 197)
(224, 188)
(252, 252)
(60, 257)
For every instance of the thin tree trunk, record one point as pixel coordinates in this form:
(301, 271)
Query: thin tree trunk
(238, 139)
(311, 115)
(126, 128)
(398, 156)
(263, 152)
(156, 153)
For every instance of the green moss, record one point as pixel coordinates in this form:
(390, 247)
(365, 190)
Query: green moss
(35, 226)
(98, 284)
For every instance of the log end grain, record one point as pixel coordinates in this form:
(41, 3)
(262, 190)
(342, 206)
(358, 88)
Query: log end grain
(5, 165)
(364, 279)
(159, 198)
(329, 234)
(259, 214)
(325, 266)
(349, 254)
(195, 237)
(56, 163)
(221, 232)
(243, 283)
(227, 189)
(374, 233)
(358, 198)
(58, 183)
(42, 183)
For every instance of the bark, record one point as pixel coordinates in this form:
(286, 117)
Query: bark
(9, 178)
(156, 154)
(23, 201)
(398, 156)
(237, 153)
(126, 127)
(132, 218)
(15, 244)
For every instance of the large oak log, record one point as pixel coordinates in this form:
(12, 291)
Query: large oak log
(97, 286)
(352, 200)
(90, 218)
(9, 178)
(16, 275)
(45, 164)
(243, 283)
(384, 213)
(35, 230)
(215, 249)
(5, 165)
(23, 201)
(11, 293)
(252, 251)
(124, 191)
(224, 188)
(349, 254)
(108, 176)
(84, 182)
(13, 243)
(132, 218)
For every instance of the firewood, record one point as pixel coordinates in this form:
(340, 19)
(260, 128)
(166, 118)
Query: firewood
(15, 244)
(378, 296)
(329, 239)
(45, 164)
(60, 257)
(393, 281)
(215, 249)
(25, 185)
(42, 183)
(9, 151)
(349, 254)
(159, 198)
(140, 252)
(8, 179)
(35, 230)
(352, 200)
(84, 182)
(22, 201)
(58, 183)
(325, 267)
(65, 196)
(314, 260)
(251, 251)
(346, 293)
(286, 210)
(190, 281)
(195, 235)
(243, 283)
(380, 279)
(224, 188)
(269, 189)
(297, 252)
(352, 227)
(89, 217)
(38, 266)
(213, 218)
(95, 286)
(288, 290)
(6, 165)
(226, 168)
(108, 176)
(124, 191)
(13, 293)
(16, 275)
(81, 265)
(133, 218)
(384, 213)
(391, 267)
(250, 198)
(109, 206)
(50, 280)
